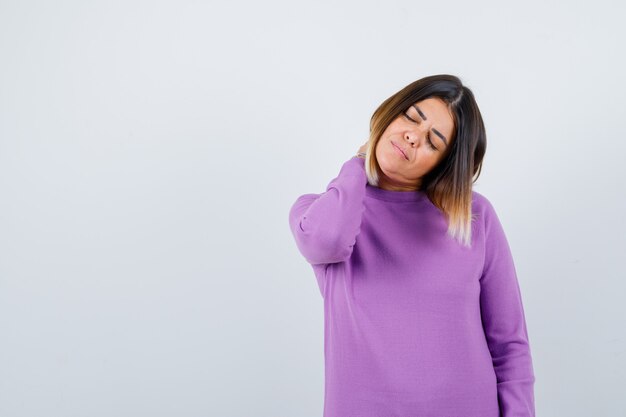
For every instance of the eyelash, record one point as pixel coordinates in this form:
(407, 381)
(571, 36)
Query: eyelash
(430, 143)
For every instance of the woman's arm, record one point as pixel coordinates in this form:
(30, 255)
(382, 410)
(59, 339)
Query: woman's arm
(325, 225)
(504, 323)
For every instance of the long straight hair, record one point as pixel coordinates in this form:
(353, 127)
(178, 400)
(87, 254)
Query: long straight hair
(449, 184)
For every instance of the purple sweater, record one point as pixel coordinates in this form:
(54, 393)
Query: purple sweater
(415, 324)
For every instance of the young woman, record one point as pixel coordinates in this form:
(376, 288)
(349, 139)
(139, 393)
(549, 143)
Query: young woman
(423, 310)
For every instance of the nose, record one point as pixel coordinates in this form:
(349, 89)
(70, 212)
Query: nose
(413, 136)
(410, 137)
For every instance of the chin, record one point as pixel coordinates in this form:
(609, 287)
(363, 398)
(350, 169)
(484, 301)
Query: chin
(388, 165)
(389, 160)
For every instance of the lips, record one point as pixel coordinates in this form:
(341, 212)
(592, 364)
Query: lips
(401, 150)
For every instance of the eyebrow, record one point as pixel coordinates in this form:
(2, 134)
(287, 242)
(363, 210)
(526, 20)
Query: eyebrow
(423, 116)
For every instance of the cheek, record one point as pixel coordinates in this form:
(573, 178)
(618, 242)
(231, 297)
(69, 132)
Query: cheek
(425, 162)
(432, 160)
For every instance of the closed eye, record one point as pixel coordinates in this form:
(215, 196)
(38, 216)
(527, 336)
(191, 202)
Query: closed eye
(430, 143)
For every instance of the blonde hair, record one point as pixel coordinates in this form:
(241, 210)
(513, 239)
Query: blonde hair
(449, 184)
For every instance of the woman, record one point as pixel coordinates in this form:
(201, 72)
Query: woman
(423, 311)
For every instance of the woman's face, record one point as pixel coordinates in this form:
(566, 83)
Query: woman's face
(424, 133)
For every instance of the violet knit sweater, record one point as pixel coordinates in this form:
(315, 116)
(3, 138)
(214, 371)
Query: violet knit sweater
(415, 324)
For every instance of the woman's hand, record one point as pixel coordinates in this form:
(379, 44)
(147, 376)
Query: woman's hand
(363, 149)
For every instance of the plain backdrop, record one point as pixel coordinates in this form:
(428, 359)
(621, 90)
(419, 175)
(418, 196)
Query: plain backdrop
(150, 152)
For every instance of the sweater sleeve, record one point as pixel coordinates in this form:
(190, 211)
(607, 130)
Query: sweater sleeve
(504, 323)
(325, 225)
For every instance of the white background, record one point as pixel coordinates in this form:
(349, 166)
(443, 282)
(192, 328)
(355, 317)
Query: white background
(150, 152)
